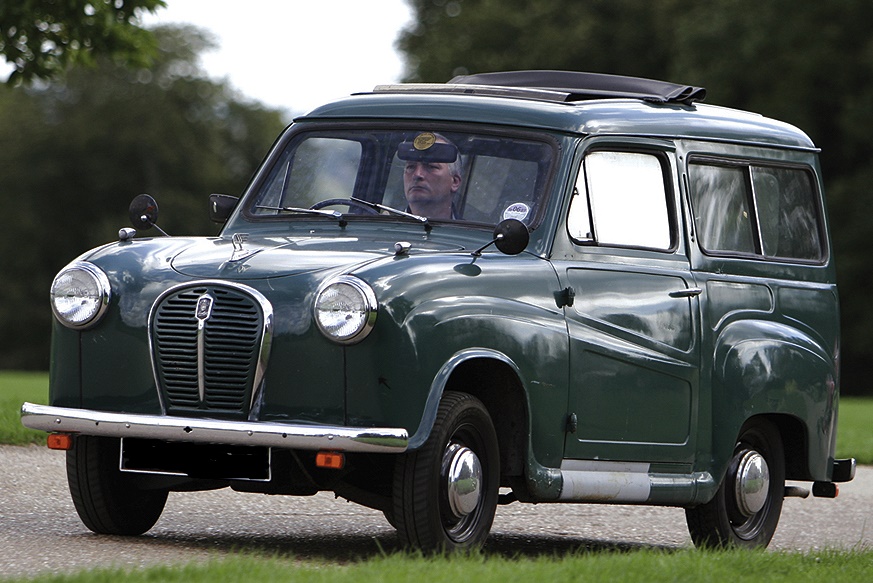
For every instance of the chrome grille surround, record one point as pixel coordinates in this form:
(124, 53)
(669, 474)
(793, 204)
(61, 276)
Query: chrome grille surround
(210, 342)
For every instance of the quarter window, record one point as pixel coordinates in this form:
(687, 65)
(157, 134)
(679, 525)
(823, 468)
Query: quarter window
(746, 209)
(626, 203)
(787, 211)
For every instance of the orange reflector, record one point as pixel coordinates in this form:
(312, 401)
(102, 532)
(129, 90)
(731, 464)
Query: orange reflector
(60, 441)
(330, 459)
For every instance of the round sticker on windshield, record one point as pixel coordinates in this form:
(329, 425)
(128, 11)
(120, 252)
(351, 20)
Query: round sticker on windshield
(517, 210)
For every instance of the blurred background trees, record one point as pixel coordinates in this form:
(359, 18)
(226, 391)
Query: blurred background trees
(41, 38)
(76, 148)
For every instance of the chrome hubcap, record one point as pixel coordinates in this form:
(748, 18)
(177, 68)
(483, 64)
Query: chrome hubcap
(752, 483)
(462, 472)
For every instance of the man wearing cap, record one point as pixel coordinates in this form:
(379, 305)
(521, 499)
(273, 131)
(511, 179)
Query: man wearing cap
(432, 176)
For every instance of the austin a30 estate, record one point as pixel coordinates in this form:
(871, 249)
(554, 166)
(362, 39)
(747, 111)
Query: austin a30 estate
(433, 299)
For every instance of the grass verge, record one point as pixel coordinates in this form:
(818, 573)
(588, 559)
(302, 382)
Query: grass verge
(15, 389)
(854, 434)
(649, 566)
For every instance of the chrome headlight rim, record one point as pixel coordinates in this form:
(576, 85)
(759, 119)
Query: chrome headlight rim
(365, 321)
(102, 294)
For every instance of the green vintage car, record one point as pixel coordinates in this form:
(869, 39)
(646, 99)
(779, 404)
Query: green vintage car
(432, 299)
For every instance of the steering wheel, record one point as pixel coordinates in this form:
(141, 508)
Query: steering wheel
(344, 201)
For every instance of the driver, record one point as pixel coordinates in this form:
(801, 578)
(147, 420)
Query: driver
(432, 175)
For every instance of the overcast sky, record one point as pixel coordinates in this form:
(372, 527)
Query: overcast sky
(295, 55)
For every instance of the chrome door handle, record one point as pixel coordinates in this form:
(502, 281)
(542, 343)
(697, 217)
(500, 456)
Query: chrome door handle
(690, 292)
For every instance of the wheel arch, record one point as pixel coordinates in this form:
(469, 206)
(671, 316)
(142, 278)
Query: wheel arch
(795, 443)
(497, 384)
(772, 371)
(494, 379)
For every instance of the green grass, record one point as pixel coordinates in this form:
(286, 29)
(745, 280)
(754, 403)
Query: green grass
(854, 431)
(15, 389)
(644, 566)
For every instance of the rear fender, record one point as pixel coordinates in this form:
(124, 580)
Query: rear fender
(768, 368)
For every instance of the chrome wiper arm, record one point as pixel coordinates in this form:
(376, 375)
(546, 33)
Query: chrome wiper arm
(388, 209)
(294, 209)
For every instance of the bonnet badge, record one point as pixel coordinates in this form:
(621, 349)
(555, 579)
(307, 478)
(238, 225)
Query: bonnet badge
(204, 307)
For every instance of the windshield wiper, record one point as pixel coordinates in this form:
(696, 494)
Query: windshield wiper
(294, 209)
(393, 211)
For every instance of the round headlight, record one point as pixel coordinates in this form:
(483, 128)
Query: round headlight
(345, 309)
(79, 295)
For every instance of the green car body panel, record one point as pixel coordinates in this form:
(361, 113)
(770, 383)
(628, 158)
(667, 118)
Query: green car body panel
(641, 362)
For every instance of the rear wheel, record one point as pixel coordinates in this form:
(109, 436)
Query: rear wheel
(745, 510)
(445, 493)
(109, 501)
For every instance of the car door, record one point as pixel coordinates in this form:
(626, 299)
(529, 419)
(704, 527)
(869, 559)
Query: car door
(632, 311)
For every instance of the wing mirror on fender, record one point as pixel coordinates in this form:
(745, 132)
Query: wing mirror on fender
(143, 214)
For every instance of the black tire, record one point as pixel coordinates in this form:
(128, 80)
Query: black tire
(426, 516)
(744, 520)
(109, 501)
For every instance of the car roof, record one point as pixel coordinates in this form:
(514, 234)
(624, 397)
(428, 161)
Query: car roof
(567, 101)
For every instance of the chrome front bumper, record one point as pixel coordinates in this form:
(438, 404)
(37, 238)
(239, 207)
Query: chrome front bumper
(280, 435)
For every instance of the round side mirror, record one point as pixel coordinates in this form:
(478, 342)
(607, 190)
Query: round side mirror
(511, 236)
(143, 212)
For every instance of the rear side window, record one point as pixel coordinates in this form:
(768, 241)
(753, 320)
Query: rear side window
(626, 203)
(788, 213)
(749, 209)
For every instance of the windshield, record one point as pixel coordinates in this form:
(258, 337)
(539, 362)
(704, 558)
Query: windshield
(411, 174)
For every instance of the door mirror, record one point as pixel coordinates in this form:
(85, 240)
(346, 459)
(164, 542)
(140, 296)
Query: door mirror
(511, 236)
(220, 207)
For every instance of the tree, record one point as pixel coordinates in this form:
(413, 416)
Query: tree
(455, 37)
(78, 150)
(806, 62)
(41, 38)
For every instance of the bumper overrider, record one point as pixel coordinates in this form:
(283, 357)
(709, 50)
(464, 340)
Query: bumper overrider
(187, 429)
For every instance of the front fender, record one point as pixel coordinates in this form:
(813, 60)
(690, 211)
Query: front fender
(434, 317)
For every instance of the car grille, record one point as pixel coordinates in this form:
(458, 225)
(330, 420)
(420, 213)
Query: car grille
(210, 344)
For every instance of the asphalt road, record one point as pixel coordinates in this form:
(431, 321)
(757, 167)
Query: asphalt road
(40, 531)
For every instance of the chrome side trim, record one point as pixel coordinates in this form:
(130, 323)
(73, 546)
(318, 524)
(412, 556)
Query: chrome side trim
(268, 434)
(601, 481)
(613, 482)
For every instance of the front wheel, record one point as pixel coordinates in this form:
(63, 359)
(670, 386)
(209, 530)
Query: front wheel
(746, 508)
(107, 500)
(445, 493)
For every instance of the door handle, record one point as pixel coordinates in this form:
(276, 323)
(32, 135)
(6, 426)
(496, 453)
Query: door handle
(691, 292)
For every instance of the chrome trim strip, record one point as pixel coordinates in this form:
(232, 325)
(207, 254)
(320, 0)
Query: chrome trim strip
(202, 313)
(268, 434)
(605, 481)
(614, 482)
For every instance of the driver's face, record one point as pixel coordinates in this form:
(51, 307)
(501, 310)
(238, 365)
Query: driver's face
(430, 187)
